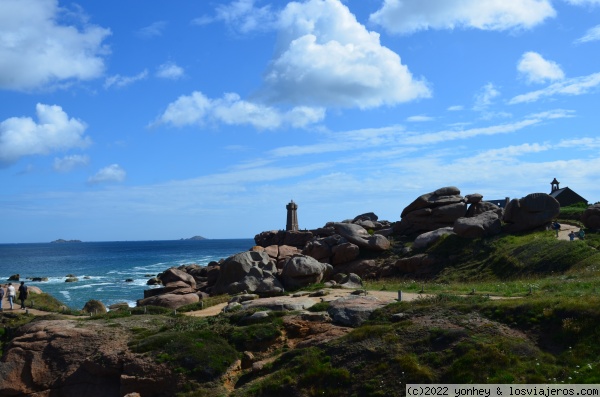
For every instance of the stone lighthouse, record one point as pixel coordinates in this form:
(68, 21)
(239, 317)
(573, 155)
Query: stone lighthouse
(292, 217)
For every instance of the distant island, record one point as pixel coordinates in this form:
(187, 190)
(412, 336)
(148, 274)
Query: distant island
(195, 238)
(60, 240)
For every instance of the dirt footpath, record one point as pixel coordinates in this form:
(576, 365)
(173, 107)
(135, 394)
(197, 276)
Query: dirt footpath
(565, 229)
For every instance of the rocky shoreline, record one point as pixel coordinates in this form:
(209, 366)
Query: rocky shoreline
(290, 260)
(281, 261)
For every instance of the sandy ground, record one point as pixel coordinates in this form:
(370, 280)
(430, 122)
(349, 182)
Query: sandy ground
(565, 229)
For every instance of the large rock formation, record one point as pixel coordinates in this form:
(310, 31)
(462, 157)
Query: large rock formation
(353, 310)
(282, 237)
(279, 253)
(249, 271)
(530, 212)
(333, 249)
(301, 271)
(426, 239)
(170, 300)
(484, 224)
(591, 217)
(336, 243)
(358, 235)
(432, 211)
(174, 275)
(71, 358)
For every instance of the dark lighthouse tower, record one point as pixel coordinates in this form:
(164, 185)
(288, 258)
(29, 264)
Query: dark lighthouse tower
(292, 216)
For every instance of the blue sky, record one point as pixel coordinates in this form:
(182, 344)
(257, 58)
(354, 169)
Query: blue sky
(149, 120)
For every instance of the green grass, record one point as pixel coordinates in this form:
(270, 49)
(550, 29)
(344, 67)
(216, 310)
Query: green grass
(508, 266)
(572, 213)
(47, 303)
(199, 354)
(308, 370)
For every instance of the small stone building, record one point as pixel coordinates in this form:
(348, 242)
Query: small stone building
(565, 196)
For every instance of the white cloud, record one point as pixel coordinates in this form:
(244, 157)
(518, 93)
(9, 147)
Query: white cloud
(197, 109)
(203, 20)
(535, 69)
(54, 131)
(170, 71)
(41, 51)
(121, 81)
(324, 57)
(451, 135)
(573, 86)
(593, 34)
(243, 16)
(111, 173)
(405, 17)
(583, 2)
(484, 98)
(455, 108)
(419, 118)
(68, 163)
(153, 30)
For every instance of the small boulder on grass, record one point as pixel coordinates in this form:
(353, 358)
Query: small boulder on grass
(119, 306)
(94, 306)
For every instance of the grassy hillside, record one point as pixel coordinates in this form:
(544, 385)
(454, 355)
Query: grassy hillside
(545, 329)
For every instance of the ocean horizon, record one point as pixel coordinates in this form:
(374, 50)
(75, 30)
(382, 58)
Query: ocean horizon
(103, 268)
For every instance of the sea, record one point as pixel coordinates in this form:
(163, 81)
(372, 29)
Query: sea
(103, 268)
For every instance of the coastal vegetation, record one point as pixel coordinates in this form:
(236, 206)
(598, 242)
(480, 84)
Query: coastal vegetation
(512, 308)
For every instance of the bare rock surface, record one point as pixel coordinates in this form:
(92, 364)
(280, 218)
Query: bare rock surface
(432, 211)
(530, 212)
(175, 275)
(426, 239)
(302, 270)
(358, 235)
(591, 217)
(75, 358)
(481, 225)
(353, 310)
(170, 300)
(281, 303)
(249, 271)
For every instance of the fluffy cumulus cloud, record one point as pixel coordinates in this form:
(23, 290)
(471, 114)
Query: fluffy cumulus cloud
(68, 163)
(54, 131)
(198, 109)
(535, 69)
(592, 34)
(405, 17)
(110, 174)
(37, 51)
(324, 57)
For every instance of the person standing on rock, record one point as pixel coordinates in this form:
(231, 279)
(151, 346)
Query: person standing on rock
(1, 297)
(22, 294)
(572, 235)
(11, 294)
